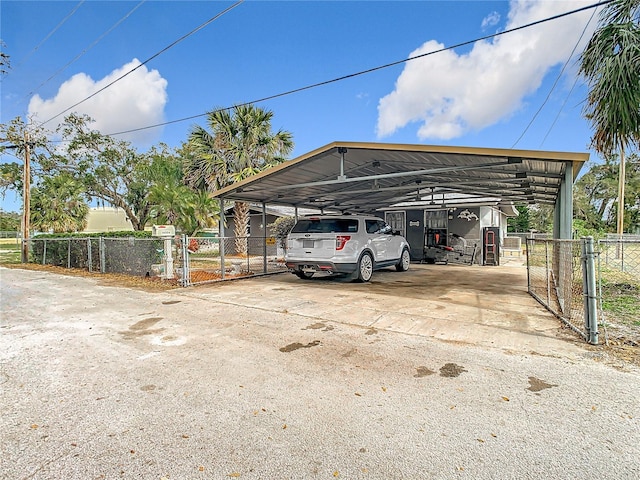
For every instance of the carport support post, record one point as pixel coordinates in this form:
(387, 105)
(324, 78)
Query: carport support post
(589, 289)
(221, 237)
(562, 229)
(264, 242)
(563, 211)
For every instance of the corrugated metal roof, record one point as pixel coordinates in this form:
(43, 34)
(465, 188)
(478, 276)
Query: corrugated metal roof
(365, 177)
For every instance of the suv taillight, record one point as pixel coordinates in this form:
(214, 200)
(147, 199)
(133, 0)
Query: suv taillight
(341, 241)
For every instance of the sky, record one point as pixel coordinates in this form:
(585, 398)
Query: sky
(184, 58)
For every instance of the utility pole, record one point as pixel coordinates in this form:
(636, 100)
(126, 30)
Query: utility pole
(26, 199)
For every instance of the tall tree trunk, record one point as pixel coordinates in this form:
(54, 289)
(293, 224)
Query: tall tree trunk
(241, 227)
(621, 180)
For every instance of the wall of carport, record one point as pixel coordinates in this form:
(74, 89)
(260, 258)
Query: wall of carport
(466, 222)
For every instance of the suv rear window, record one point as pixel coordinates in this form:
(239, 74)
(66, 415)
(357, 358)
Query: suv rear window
(326, 225)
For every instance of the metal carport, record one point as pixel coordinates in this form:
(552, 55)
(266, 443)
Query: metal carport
(365, 177)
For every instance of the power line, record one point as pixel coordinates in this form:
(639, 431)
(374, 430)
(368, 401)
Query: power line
(555, 83)
(95, 42)
(200, 27)
(51, 32)
(553, 124)
(370, 70)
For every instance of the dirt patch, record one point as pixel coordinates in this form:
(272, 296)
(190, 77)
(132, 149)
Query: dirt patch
(295, 346)
(145, 324)
(423, 372)
(147, 284)
(451, 370)
(319, 326)
(536, 385)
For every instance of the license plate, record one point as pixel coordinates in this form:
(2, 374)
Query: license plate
(308, 268)
(307, 243)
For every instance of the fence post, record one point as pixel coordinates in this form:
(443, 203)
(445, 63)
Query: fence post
(69, 253)
(103, 266)
(589, 287)
(221, 252)
(44, 252)
(186, 268)
(546, 265)
(264, 239)
(89, 254)
(528, 250)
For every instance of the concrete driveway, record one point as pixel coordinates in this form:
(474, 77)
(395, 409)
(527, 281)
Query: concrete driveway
(278, 378)
(485, 306)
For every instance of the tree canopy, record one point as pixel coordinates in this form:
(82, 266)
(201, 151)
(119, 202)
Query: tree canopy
(239, 143)
(611, 66)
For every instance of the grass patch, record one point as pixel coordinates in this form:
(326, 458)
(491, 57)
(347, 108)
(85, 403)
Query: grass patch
(621, 302)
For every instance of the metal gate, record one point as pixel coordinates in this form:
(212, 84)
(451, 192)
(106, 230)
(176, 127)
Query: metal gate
(212, 259)
(561, 276)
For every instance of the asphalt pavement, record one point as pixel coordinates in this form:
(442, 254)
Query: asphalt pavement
(260, 382)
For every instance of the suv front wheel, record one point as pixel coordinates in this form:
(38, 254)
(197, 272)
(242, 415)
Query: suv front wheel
(365, 268)
(405, 261)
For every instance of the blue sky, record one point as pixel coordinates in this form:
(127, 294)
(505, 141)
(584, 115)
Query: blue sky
(485, 94)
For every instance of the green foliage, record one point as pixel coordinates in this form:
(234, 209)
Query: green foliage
(119, 234)
(238, 144)
(10, 177)
(175, 203)
(621, 301)
(610, 63)
(541, 218)
(10, 221)
(595, 195)
(58, 204)
(109, 170)
(521, 223)
(281, 227)
(581, 229)
(132, 255)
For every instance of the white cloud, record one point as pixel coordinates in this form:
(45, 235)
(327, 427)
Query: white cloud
(490, 20)
(451, 94)
(135, 101)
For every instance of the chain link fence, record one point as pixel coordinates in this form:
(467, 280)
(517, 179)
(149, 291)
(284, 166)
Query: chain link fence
(619, 287)
(185, 260)
(130, 255)
(205, 260)
(562, 277)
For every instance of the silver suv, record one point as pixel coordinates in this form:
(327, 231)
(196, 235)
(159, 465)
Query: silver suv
(351, 245)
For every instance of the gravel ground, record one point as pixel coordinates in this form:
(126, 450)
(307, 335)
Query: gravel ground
(100, 382)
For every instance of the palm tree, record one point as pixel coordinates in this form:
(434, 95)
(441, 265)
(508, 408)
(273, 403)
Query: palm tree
(238, 144)
(174, 202)
(611, 65)
(58, 205)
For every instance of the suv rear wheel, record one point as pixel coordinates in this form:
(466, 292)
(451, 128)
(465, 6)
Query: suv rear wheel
(365, 267)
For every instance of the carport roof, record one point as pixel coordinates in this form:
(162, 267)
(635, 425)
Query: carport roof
(365, 177)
